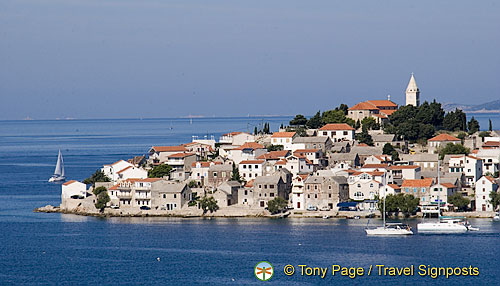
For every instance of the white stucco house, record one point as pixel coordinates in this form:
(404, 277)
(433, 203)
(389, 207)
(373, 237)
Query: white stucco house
(283, 138)
(337, 132)
(484, 186)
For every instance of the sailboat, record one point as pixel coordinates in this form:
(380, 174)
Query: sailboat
(389, 228)
(445, 224)
(59, 171)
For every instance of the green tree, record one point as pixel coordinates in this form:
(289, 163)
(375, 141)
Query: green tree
(255, 131)
(208, 204)
(102, 196)
(277, 205)
(473, 125)
(459, 201)
(192, 184)
(274, 148)
(343, 107)
(235, 175)
(336, 116)
(160, 171)
(455, 121)
(298, 120)
(315, 121)
(364, 137)
(98, 176)
(495, 199)
(490, 128)
(409, 205)
(483, 134)
(452, 149)
(357, 125)
(462, 136)
(370, 123)
(395, 155)
(388, 149)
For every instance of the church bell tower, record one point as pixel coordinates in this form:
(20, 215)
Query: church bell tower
(412, 93)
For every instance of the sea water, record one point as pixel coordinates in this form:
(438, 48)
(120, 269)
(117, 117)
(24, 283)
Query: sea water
(41, 248)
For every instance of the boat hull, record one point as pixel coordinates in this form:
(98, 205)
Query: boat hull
(441, 228)
(388, 231)
(56, 179)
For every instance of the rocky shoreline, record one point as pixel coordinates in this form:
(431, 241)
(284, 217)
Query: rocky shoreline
(254, 214)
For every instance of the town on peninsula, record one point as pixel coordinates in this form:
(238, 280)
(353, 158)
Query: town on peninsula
(337, 163)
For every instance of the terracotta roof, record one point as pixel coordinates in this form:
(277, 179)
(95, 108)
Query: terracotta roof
(281, 162)
(363, 145)
(382, 103)
(420, 183)
(375, 166)
(491, 179)
(70, 182)
(252, 162)
(250, 145)
(448, 185)
(249, 184)
(306, 151)
(303, 176)
(388, 111)
(274, 155)
(364, 106)
(115, 187)
(403, 167)
(205, 164)
(232, 133)
(336, 126)
(491, 144)
(133, 180)
(168, 148)
(180, 155)
(283, 134)
(472, 157)
(379, 115)
(394, 186)
(444, 137)
(123, 170)
(383, 157)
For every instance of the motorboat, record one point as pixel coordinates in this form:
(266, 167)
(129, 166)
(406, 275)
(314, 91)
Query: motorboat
(496, 217)
(59, 171)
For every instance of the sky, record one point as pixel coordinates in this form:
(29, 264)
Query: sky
(156, 59)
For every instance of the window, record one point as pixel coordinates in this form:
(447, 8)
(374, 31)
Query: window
(246, 193)
(325, 133)
(345, 132)
(260, 186)
(315, 187)
(371, 185)
(244, 166)
(308, 187)
(359, 185)
(308, 196)
(271, 194)
(215, 174)
(164, 196)
(298, 195)
(175, 196)
(271, 186)
(265, 186)
(315, 196)
(414, 190)
(330, 187)
(329, 195)
(256, 166)
(223, 175)
(423, 190)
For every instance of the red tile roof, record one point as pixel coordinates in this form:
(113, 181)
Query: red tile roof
(115, 187)
(249, 184)
(70, 182)
(232, 133)
(444, 137)
(205, 164)
(394, 186)
(491, 144)
(180, 155)
(123, 170)
(250, 145)
(252, 162)
(491, 179)
(388, 111)
(420, 183)
(283, 134)
(364, 106)
(372, 166)
(403, 167)
(336, 126)
(274, 155)
(448, 185)
(281, 162)
(382, 103)
(168, 148)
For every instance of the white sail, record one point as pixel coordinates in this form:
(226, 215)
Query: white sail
(59, 171)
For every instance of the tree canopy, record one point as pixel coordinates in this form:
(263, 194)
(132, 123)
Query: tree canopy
(208, 204)
(455, 121)
(414, 123)
(459, 201)
(473, 125)
(160, 171)
(370, 123)
(98, 176)
(452, 149)
(102, 197)
(495, 199)
(407, 204)
(277, 205)
(364, 137)
(235, 175)
(315, 121)
(335, 116)
(298, 120)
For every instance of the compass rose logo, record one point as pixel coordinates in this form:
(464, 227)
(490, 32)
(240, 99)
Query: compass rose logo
(264, 270)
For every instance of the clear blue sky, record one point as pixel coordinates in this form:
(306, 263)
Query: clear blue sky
(116, 59)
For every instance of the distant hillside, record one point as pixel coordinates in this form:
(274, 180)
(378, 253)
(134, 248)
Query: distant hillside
(492, 106)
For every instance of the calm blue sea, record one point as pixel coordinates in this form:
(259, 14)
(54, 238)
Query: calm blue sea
(39, 248)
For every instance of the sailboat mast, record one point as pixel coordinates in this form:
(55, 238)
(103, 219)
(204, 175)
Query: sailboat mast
(439, 191)
(62, 164)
